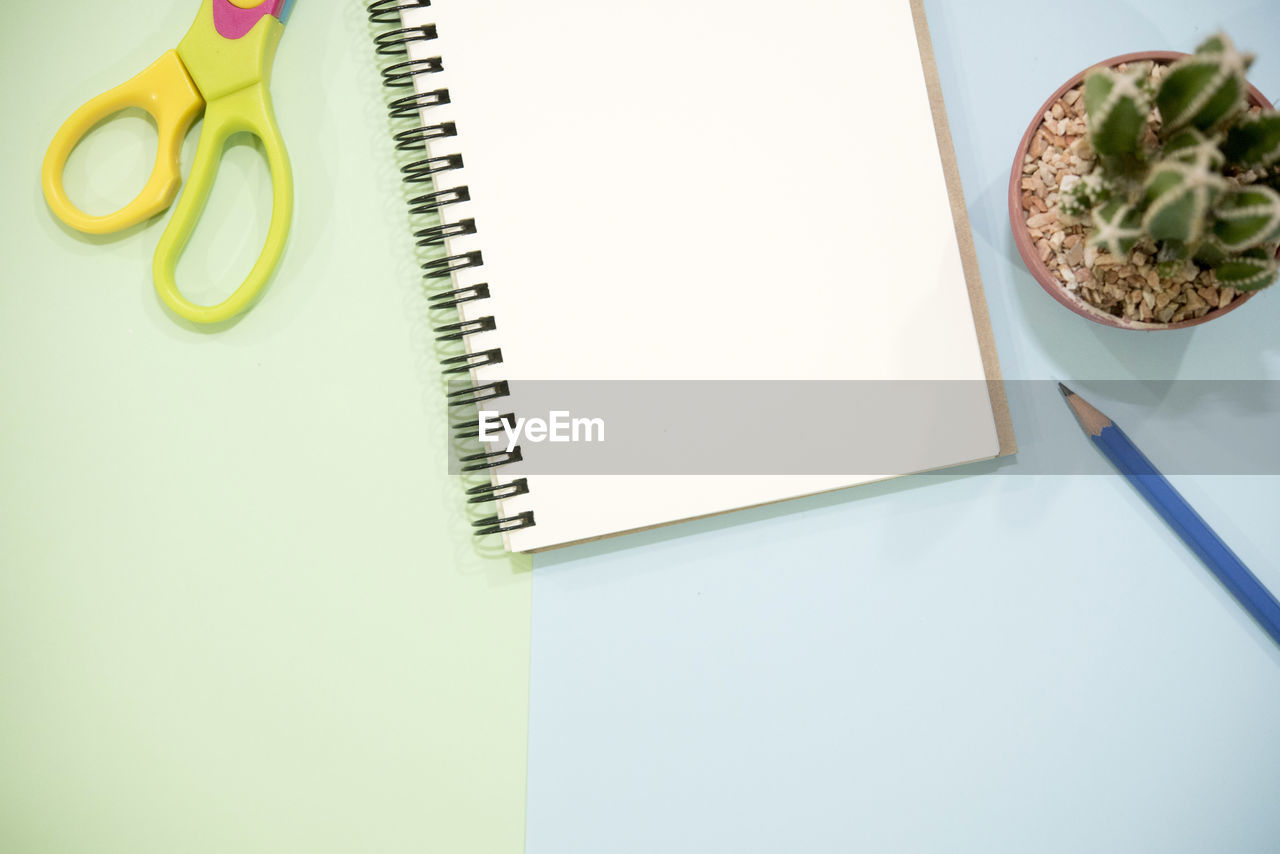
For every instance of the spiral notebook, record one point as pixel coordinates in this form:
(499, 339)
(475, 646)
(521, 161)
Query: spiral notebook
(685, 189)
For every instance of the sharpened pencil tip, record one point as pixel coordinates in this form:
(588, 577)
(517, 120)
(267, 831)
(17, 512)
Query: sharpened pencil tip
(1090, 419)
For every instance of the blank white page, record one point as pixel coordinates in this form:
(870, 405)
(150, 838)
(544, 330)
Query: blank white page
(700, 189)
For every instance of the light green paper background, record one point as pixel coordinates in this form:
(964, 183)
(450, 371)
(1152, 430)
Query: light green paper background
(239, 607)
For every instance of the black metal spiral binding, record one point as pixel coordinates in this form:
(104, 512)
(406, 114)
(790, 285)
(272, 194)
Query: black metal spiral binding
(388, 11)
(438, 234)
(394, 41)
(420, 171)
(457, 296)
(502, 524)
(479, 393)
(490, 459)
(471, 430)
(431, 202)
(463, 328)
(478, 359)
(415, 139)
(409, 106)
(443, 268)
(401, 74)
(494, 491)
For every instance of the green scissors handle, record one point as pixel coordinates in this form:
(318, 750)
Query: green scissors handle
(223, 66)
(248, 110)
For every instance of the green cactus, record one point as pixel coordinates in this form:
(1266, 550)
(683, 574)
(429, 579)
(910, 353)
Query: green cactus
(1117, 227)
(1210, 252)
(1247, 217)
(1117, 103)
(1171, 258)
(1207, 89)
(1251, 270)
(1207, 194)
(1179, 196)
(1082, 196)
(1191, 146)
(1255, 140)
(1271, 178)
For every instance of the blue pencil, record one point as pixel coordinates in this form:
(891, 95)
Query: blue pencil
(1175, 510)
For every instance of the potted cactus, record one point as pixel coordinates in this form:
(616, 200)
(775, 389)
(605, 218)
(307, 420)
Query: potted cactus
(1147, 193)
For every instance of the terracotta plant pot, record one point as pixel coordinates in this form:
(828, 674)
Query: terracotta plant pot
(1027, 249)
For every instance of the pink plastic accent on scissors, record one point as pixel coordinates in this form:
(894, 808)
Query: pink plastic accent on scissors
(232, 22)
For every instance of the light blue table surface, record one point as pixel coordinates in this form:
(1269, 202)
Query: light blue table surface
(963, 662)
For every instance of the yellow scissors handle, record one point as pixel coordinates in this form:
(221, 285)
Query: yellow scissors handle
(164, 90)
(246, 110)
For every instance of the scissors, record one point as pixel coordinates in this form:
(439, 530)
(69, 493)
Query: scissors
(222, 66)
